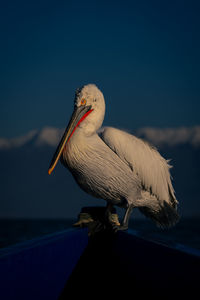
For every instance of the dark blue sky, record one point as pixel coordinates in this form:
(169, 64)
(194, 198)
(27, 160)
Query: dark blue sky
(144, 56)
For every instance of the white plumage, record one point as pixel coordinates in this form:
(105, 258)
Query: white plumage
(115, 165)
(144, 160)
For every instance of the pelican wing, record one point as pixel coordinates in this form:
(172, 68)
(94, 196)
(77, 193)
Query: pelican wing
(145, 160)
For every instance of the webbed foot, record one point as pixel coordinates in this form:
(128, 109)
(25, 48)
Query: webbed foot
(83, 220)
(98, 219)
(116, 228)
(95, 227)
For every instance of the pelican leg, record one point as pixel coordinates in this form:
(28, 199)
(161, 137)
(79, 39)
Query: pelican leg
(124, 225)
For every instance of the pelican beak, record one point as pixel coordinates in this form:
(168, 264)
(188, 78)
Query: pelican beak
(79, 114)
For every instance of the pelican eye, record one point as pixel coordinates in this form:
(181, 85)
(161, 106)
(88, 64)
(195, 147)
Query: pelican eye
(83, 101)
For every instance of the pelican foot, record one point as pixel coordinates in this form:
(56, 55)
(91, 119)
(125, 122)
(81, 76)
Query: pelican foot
(95, 227)
(83, 220)
(113, 219)
(98, 220)
(116, 228)
(123, 227)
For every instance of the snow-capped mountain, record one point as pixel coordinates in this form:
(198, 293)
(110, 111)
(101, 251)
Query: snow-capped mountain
(171, 136)
(160, 137)
(48, 136)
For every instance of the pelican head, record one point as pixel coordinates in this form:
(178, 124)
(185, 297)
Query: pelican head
(88, 115)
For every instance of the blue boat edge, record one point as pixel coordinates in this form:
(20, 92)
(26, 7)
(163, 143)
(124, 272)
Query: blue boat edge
(50, 266)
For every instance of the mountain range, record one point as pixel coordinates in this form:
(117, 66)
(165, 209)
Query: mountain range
(49, 136)
(27, 191)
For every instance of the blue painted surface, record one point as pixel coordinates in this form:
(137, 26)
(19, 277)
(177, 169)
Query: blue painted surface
(172, 245)
(42, 268)
(124, 263)
(39, 269)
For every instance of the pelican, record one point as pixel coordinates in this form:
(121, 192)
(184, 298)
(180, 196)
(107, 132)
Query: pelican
(114, 165)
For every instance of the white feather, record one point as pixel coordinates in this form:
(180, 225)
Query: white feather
(145, 160)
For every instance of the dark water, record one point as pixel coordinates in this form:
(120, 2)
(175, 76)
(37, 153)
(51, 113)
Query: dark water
(186, 232)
